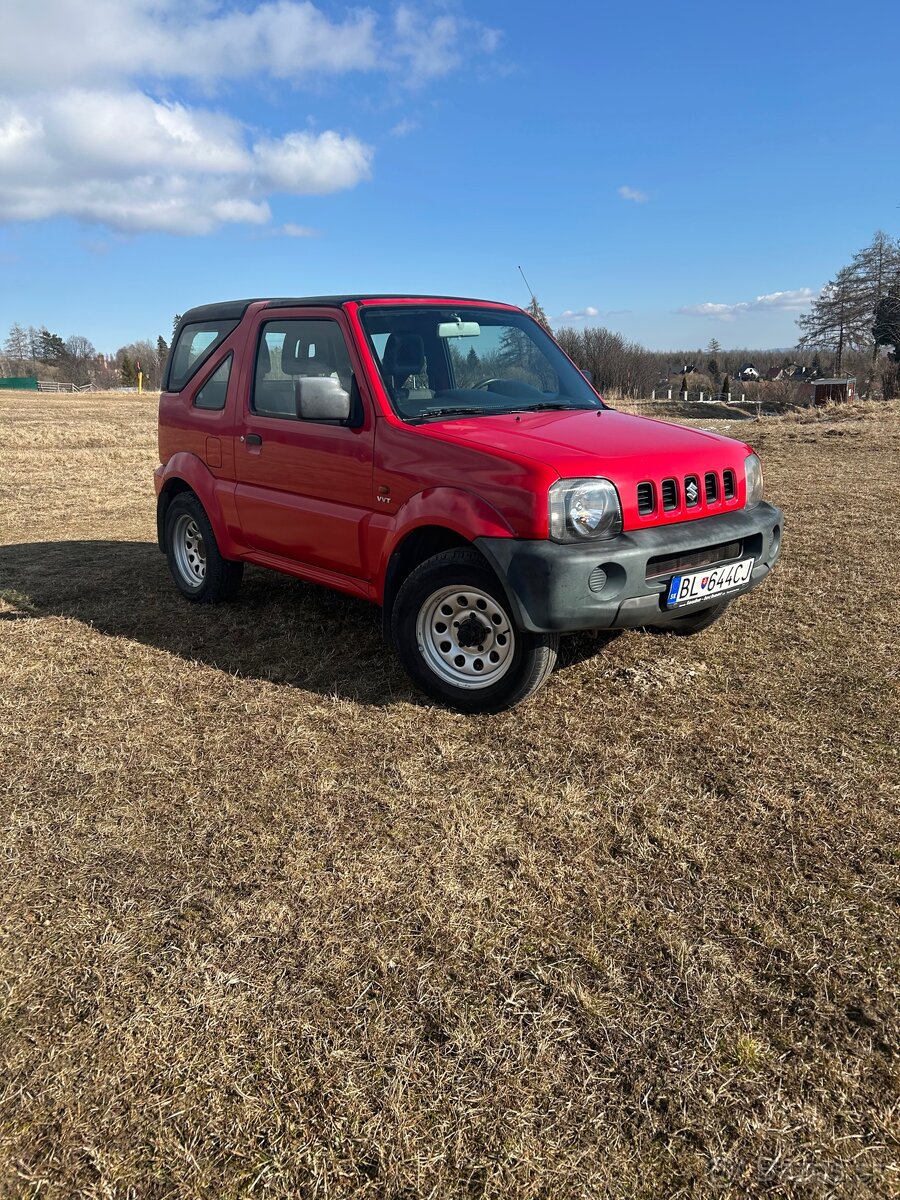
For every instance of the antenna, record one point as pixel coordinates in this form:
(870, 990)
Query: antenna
(528, 285)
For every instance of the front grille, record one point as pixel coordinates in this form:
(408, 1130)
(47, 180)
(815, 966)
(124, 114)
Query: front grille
(669, 495)
(687, 493)
(694, 560)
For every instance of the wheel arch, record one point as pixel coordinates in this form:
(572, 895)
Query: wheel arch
(414, 548)
(171, 488)
(185, 472)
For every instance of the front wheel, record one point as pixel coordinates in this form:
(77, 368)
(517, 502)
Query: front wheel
(454, 634)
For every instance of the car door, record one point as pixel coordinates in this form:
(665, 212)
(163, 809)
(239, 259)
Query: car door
(303, 486)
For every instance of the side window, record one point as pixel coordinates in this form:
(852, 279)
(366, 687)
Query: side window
(196, 342)
(292, 350)
(213, 392)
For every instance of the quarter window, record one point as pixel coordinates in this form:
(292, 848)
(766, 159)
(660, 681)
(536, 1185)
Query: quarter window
(212, 394)
(196, 343)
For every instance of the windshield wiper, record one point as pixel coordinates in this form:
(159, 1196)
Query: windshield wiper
(459, 410)
(551, 405)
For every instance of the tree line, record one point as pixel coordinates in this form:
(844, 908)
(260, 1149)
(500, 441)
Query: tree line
(624, 368)
(853, 327)
(38, 353)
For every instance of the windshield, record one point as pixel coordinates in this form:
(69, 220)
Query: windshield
(440, 362)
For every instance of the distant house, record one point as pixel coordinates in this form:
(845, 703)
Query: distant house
(788, 371)
(829, 391)
(748, 372)
(688, 369)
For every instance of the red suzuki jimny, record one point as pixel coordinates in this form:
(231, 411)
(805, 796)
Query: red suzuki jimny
(444, 458)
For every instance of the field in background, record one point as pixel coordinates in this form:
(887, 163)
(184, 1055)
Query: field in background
(272, 925)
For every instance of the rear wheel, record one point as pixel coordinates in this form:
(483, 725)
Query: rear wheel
(196, 563)
(454, 634)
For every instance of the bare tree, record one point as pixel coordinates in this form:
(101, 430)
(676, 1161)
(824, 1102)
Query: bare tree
(841, 318)
(535, 310)
(17, 347)
(145, 353)
(79, 347)
(618, 366)
(836, 319)
(874, 269)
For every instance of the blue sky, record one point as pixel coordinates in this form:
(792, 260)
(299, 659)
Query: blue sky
(675, 172)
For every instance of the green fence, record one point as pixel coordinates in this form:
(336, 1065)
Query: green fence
(26, 383)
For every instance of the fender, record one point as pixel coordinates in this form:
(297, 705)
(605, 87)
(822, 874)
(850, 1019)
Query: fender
(216, 495)
(463, 513)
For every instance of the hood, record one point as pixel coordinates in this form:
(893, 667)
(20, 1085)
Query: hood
(603, 442)
(625, 449)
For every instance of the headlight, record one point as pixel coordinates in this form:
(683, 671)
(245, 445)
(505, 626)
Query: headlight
(753, 474)
(583, 510)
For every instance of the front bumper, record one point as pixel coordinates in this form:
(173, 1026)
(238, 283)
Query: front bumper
(605, 585)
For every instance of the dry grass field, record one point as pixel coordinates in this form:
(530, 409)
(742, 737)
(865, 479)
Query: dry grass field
(271, 925)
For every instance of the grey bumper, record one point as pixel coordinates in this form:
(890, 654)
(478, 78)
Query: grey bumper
(564, 588)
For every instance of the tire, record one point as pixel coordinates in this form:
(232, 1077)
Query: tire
(436, 636)
(203, 576)
(694, 622)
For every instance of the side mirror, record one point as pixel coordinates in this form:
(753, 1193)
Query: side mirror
(321, 399)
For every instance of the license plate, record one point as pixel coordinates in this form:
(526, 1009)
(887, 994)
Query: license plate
(702, 585)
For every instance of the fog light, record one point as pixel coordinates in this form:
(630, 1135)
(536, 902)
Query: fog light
(597, 579)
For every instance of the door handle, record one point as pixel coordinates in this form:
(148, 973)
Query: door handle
(252, 439)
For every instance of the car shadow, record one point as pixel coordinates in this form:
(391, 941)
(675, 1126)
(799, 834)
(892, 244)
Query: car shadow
(278, 629)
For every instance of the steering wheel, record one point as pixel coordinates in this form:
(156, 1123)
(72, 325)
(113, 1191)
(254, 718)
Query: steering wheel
(485, 383)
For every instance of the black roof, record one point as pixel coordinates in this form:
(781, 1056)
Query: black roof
(233, 310)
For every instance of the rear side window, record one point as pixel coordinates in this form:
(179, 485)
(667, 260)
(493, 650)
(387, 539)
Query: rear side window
(196, 342)
(212, 394)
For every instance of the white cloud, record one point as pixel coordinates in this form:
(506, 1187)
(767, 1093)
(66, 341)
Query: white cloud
(74, 42)
(132, 163)
(581, 314)
(791, 301)
(433, 46)
(116, 154)
(630, 193)
(589, 313)
(306, 164)
(404, 128)
(288, 230)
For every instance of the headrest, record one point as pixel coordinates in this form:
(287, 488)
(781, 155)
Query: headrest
(404, 355)
(263, 359)
(295, 359)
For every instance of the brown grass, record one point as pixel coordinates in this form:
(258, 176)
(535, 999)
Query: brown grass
(271, 925)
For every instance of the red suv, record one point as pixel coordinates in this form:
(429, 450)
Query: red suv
(445, 459)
